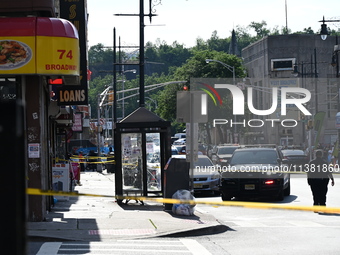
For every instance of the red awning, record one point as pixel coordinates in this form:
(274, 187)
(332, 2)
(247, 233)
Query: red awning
(37, 26)
(56, 27)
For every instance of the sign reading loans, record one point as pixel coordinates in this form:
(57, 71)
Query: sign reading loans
(38, 45)
(71, 95)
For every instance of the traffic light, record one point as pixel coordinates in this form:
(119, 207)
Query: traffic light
(310, 124)
(110, 96)
(185, 88)
(302, 117)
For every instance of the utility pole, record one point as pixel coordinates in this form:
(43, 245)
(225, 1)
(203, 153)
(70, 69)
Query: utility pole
(141, 53)
(141, 44)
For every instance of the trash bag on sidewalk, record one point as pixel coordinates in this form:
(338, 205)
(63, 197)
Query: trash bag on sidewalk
(183, 209)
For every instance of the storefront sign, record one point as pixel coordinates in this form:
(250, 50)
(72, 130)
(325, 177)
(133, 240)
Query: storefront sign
(75, 12)
(71, 95)
(78, 123)
(38, 45)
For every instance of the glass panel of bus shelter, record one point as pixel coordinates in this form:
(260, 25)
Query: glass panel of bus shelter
(132, 164)
(153, 161)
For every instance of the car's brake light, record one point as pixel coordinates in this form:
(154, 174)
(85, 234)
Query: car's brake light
(269, 182)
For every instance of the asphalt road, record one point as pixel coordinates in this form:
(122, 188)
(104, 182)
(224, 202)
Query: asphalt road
(274, 231)
(247, 231)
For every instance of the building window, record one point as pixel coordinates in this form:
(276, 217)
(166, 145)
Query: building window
(283, 64)
(8, 89)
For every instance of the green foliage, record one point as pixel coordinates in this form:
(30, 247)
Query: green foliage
(173, 63)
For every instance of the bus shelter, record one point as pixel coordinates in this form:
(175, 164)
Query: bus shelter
(142, 143)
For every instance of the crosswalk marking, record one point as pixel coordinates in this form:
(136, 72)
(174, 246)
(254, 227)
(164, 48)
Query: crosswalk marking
(302, 223)
(49, 248)
(181, 246)
(249, 224)
(195, 247)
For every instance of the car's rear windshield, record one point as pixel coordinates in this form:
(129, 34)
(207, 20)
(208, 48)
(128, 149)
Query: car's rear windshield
(226, 150)
(254, 157)
(201, 162)
(293, 152)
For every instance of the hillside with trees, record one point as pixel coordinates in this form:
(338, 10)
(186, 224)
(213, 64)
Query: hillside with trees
(173, 62)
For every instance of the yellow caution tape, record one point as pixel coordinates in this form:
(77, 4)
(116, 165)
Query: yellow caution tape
(256, 205)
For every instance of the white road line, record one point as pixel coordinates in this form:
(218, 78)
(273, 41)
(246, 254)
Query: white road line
(302, 223)
(49, 248)
(249, 224)
(140, 251)
(195, 247)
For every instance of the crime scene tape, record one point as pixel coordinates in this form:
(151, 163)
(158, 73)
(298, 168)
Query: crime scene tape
(255, 205)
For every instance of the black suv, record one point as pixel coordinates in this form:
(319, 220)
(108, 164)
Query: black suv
(221, 154)
(255, 172)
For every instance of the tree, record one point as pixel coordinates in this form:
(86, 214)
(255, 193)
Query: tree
(260, 29)
(218, 44)
(196, 67)
(161, 57)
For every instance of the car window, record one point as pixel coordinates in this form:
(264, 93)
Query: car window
(203, 162)
(254, 157)
(293, 152)
(226, 150)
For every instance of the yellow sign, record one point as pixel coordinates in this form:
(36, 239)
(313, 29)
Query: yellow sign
(57, 55)
(17, 55)
(38, 45)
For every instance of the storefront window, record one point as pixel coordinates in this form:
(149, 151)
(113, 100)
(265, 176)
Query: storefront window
(8, 89)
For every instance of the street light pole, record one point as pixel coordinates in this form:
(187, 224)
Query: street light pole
(324, 33)
(154, 101)
(231, 69)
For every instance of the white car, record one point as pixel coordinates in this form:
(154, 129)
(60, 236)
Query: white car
(181, 141)
(206, 175)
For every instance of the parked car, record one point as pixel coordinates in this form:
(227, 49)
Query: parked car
(206, 176)
(181, 149)
(180, 135)
(174, 150)
(296, 159)
(255, 172)
(180, 141)
(221, 154)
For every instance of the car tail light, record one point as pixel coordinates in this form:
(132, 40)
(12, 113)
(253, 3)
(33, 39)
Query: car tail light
(269, 182)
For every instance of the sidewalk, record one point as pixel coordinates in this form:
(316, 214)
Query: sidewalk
(88, 218)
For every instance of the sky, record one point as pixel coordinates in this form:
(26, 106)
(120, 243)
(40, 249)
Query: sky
(186, 20)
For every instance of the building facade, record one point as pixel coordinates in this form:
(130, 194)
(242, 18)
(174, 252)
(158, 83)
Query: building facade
(288, 61)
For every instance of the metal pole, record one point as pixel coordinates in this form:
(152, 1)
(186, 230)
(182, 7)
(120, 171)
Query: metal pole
(141, 53)
(191, 172)
(123, 95)
(338, 88)
(98, 125)
(235, 130)
(316, 83)
(114, 80)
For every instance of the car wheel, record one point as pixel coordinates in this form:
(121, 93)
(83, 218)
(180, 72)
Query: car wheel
(225, 197)
(287, 190)
(216, 192)
(280, 196)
